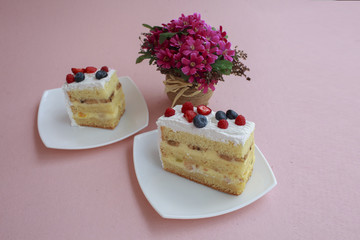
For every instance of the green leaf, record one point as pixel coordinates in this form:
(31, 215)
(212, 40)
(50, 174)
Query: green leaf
(151, 61)
(147, 26)
(164, 36)
(222, 66)
(183, 76)
(184, 33)
(143, 57)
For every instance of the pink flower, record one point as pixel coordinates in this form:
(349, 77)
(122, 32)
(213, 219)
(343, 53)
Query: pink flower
(205, 86)
(190, 67)
(192, 46)
(222, 34)
(175, 26)
(224, 49)
(209, 53)
(212, 84)
(186, 21)
(154, 37)
(195, 27)
(177, 41)
(177, 60)
(207, 65)
(196, 17)
(189, 45)
(210, 35)
(164, 45)
(164, 58)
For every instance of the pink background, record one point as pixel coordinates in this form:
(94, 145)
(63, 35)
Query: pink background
(304, 97)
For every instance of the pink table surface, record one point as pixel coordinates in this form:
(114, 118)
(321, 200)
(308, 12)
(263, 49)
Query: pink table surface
(304, 97)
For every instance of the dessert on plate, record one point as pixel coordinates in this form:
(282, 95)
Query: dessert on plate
(212, 148)
(94, 97)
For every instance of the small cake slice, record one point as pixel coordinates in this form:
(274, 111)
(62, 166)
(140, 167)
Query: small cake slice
(214, 149)
(94, 98)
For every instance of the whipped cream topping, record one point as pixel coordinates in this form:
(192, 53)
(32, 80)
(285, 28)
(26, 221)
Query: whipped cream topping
(234, 133)
(89, 82)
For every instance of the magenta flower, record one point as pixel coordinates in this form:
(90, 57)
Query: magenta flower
(224, 49)
(154, 37)
(196, 77)
(186, 21)
(192, 46)
(177, 60)
(222, 34)
(207, 63)
(209, 52)
(164, 58)
(195, 27)
(196, 17)
(174, 26)
(190, 67)
(177, 41)
(205, 86)
(192, 79)
(210, 35)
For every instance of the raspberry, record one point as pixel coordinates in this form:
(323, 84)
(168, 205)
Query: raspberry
(203, 110)
(189, 115)
(105, 68)
(240, 120)
(223, 124)
(90, 69)
(187, 106)
(70, 78)
(76, 70)
(169, 112)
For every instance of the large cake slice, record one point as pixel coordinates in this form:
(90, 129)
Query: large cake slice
(94, 98)
(214, 149)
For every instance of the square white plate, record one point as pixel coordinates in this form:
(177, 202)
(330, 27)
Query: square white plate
(56, 131)
(178, 198)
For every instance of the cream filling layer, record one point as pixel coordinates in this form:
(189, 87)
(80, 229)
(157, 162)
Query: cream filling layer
(207, 163)
(89, 115)
(208, 172)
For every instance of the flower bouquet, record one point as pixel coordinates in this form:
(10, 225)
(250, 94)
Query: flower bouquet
(193, 55)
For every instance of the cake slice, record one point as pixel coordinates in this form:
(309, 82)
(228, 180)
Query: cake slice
(214, 149)
(94, 98)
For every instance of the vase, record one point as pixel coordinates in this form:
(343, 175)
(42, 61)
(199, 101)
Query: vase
(180, 91)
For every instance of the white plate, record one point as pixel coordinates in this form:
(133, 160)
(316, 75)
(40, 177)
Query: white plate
(178, 198)
(56, 131)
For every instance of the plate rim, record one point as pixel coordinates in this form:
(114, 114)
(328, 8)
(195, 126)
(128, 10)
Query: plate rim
(49, 91)
(198, 216)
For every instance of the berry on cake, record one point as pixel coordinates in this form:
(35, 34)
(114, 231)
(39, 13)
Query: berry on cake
(94, 97)
(212, 148)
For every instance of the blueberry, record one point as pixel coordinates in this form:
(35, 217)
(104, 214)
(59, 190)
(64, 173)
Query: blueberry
(231, 114)
(100, 74)
(200, 121)
(79, 77)
(220, 115)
